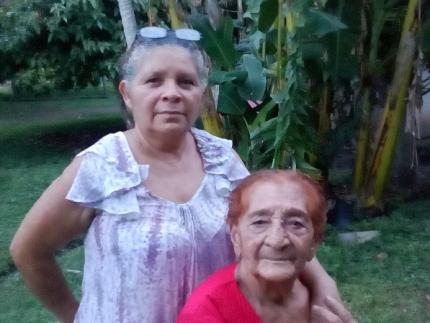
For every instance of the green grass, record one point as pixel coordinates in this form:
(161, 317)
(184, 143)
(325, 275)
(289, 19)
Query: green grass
(387, 279)
(384, 280)
(18, 304)
(34, 154)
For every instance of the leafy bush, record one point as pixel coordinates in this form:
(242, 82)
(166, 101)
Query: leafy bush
(33, 82)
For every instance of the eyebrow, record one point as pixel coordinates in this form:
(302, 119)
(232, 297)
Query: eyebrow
(152, 73)
(293, 212)
(260, 213)
(296, 213)
(161, 73)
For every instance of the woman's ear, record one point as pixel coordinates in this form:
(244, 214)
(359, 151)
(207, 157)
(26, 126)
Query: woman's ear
(122, 88)
(235, 239)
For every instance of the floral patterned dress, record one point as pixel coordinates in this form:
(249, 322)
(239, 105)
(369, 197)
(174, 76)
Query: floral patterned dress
(144, 254)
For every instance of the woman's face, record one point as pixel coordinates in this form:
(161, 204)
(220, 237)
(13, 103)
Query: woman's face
(166, 93)
(274, 238)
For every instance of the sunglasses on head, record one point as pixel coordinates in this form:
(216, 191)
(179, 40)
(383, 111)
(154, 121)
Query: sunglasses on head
(159, 32)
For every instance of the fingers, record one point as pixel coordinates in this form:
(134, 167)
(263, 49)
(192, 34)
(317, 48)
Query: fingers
(320, 314)
(334, 313)
(339, 309)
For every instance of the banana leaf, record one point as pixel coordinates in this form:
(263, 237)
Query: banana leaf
(218, 43)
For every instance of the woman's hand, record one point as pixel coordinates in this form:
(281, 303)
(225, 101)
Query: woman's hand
(333, 312)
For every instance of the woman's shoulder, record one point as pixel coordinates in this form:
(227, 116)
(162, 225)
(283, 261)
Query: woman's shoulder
(220, 159)
(218, 155)
(107, 176)
(109, 145)
(204, 137)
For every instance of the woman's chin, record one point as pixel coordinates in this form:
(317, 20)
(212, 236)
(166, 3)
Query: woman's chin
(277, 271)
(174, 128)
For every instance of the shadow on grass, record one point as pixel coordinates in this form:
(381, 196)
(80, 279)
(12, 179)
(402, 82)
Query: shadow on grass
(36, 143)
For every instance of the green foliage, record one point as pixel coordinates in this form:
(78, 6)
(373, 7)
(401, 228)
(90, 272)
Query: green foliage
(217, 43)
(255, 84)
(425, 40)
(265, 78)
(265, 14)
(33, 82)
(77, 41)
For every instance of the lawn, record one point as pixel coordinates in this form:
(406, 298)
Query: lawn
(384, 280)
(387, 279)
(34, 153)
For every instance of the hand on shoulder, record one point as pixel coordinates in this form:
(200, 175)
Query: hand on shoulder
(333, 312)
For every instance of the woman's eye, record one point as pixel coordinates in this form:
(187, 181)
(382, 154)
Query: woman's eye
(153, 80)
(295, 224)
(259, 222)
(186, 82)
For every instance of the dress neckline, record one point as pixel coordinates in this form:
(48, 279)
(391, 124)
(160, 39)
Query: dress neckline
(145, 168)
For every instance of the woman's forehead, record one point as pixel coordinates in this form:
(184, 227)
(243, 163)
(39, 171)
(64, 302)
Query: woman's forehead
(279, 187)
(266, 194)
(167, 56)
(168, 49)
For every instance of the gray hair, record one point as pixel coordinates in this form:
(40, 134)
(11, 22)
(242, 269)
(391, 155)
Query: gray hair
(132, 60)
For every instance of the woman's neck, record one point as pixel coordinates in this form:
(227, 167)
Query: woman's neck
(154, 145)
(276, 302)
(262, 292)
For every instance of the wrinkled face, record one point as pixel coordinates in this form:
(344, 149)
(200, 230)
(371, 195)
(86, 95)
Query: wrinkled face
(273, 239)
(166, 94)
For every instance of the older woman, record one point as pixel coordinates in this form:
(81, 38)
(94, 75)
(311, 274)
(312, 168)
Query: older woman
(276, 220)
(152, 200)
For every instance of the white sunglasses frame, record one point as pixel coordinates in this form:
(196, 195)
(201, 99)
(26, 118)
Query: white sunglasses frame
(159, 32)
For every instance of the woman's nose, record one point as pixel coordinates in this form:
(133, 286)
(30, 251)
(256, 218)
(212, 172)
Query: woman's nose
(277, 237)
(170, 91)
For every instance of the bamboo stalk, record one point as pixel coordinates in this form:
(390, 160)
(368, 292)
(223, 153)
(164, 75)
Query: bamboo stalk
(395, 106)
(279, 47)
(363, 134)
(362, 171)
(175, 21)
(210, 118)
(362, 142)
(324, 117)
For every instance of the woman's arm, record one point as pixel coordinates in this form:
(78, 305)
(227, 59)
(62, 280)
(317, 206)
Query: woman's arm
(50, 224)
(327, 306)
(319, 283)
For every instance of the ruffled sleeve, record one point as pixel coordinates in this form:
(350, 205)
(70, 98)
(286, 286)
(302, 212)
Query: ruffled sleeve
(220, 159)
(108, 176)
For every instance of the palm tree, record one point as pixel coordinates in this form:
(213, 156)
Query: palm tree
(128, 20)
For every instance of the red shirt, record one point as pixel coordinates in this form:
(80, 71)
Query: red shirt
(218, 299)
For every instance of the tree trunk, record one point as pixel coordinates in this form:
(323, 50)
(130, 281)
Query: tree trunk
(368, 68)
(394, 110)
(128, 20)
